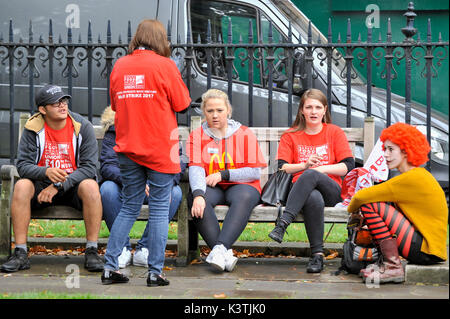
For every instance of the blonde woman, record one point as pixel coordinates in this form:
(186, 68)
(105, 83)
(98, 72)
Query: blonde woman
(224, 168)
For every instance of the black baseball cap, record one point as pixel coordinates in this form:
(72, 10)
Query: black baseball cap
(49, 94)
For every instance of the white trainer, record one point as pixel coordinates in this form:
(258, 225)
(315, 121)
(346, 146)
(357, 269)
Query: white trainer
(124, 258)
(217, 257)
(210, 255)
(140, 257)
(230, 260)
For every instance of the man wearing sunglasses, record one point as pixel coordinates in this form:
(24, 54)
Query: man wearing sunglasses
(56, 161)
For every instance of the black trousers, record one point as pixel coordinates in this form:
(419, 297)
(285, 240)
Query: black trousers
(309, 195)
(240, 198)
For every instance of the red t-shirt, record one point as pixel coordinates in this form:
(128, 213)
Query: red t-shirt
(58, 149)
(239, 150)
(146, 90)
(331, 143)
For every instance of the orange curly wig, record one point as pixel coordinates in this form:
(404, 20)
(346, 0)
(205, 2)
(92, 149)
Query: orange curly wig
(410, 140)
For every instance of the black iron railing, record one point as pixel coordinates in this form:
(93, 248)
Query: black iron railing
(286, 67)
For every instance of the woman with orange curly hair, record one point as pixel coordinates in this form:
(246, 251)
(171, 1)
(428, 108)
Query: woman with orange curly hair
(407, 214)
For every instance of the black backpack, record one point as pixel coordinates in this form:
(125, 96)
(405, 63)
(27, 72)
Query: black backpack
(356, 256)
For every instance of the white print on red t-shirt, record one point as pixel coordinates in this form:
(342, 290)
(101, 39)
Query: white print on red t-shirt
(305, 152)
(134, 82)
(56, 155)
(136, 94)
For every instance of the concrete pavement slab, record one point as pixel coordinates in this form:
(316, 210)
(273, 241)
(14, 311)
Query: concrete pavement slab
(434, 274)
(253, 278)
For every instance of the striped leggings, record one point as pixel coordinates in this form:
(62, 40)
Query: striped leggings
(385, 222)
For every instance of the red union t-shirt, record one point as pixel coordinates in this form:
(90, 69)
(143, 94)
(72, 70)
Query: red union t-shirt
(239, 150)
(146, 90)
(58, 149)
(331, 143)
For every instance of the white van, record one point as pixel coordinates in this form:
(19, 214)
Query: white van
(198, 16)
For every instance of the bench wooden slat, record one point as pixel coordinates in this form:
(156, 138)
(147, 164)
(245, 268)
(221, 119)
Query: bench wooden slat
(269, 214)
(183, 132)
(261, 213)
(69, 213)
(354, 134)
(269, 134)
(66, 212)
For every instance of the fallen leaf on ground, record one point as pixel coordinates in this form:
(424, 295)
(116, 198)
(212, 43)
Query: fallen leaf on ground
(333, 255)
(196, 261)
(204, 251)
(167, 268)
(170, 253)
(222, 295)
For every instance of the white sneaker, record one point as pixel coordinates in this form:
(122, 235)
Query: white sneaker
(211, 254)
(217, 257)
(140, 257)
(124, 258)
(230, 260)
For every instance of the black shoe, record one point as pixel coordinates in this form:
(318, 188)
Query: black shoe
(113, 277)
(277, 233)
(315, 264)
(18, 261)
(154, 280)
(92, 261)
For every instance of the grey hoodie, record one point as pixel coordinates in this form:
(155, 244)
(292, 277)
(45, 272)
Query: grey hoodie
(197, 176)
(31, 147)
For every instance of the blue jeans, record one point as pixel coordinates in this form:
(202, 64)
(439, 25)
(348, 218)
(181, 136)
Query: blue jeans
(134, 178)
(112, 202)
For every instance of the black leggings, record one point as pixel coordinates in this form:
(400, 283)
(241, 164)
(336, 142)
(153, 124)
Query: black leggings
(240, 198)
(310, 194)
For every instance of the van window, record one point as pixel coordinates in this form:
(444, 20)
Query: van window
(279, 75)
(220, 15)
(240, 27)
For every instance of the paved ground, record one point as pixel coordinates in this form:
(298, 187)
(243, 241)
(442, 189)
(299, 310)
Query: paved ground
(254, 278)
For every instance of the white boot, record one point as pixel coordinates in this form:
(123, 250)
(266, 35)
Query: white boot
(230, 260)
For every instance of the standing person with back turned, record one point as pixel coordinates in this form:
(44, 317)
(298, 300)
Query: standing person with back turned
(408, 214)
(111, 189)
(317, 153)
(146, 91)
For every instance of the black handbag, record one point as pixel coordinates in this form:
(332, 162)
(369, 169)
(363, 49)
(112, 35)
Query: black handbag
(276, 190)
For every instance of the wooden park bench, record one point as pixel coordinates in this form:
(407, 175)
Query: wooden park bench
(187, 236)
